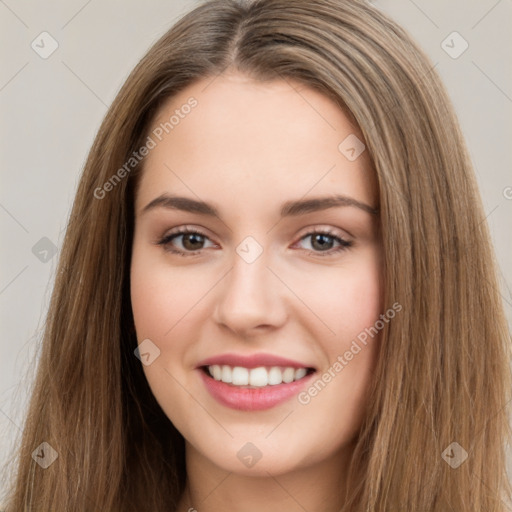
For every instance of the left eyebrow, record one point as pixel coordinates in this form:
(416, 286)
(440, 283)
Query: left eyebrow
(288, 209)
(301, 207)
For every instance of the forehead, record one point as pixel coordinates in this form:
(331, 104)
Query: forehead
(248, 143)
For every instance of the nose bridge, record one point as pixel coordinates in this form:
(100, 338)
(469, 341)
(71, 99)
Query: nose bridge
(250, 293)
(248, 280)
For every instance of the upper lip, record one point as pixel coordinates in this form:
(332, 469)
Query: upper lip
(252, 361)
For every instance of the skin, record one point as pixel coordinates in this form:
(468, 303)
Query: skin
(246, 148)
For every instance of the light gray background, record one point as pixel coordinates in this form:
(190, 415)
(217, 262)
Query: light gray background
(51, 109)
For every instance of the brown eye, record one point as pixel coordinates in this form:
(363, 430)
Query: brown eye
(191, 242)
(322, 242)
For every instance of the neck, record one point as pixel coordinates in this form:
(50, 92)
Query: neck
(320, 486)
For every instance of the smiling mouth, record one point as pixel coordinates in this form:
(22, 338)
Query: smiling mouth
(255, 378)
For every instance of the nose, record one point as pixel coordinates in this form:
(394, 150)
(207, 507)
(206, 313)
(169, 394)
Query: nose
(251, 298)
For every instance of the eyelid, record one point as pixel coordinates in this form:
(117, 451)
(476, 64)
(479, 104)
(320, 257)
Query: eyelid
(343, 241)
(328, 229)
(184, 229)
(165, 239)
(308, 230)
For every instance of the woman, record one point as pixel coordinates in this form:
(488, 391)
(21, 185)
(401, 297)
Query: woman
(207, 349)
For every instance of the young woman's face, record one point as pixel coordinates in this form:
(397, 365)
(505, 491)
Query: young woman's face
(254, 318)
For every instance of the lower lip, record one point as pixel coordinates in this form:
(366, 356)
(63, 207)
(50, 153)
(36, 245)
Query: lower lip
(252, 399)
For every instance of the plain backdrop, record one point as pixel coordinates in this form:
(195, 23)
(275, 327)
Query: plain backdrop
(52, 107)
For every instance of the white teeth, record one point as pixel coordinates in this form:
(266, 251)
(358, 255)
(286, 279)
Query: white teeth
(217, 372)
(256, 377)
(301, 372)
(240, 376)
(288, 375)
(226, 374)
(275, 376)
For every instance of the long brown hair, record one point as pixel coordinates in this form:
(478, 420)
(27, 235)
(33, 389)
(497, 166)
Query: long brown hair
(442, 375)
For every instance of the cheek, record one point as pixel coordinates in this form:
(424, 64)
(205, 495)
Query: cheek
(350, 300)
(160, 299)
(161, 296)
(360, 300)
(153, 306)
(353, 307)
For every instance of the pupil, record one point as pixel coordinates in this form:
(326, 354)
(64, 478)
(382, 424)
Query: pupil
(321, 240)
(323, 237)
(194, 239)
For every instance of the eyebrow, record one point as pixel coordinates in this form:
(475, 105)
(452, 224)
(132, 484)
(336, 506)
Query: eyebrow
(288, 209)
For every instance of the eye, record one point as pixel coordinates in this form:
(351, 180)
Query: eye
(323, 241)
(192, 242)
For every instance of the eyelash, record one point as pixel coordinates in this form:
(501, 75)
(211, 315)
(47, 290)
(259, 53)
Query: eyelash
(166, 240)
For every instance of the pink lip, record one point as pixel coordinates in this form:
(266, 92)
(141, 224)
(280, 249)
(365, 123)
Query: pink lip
(252, 399)
(252, 361)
